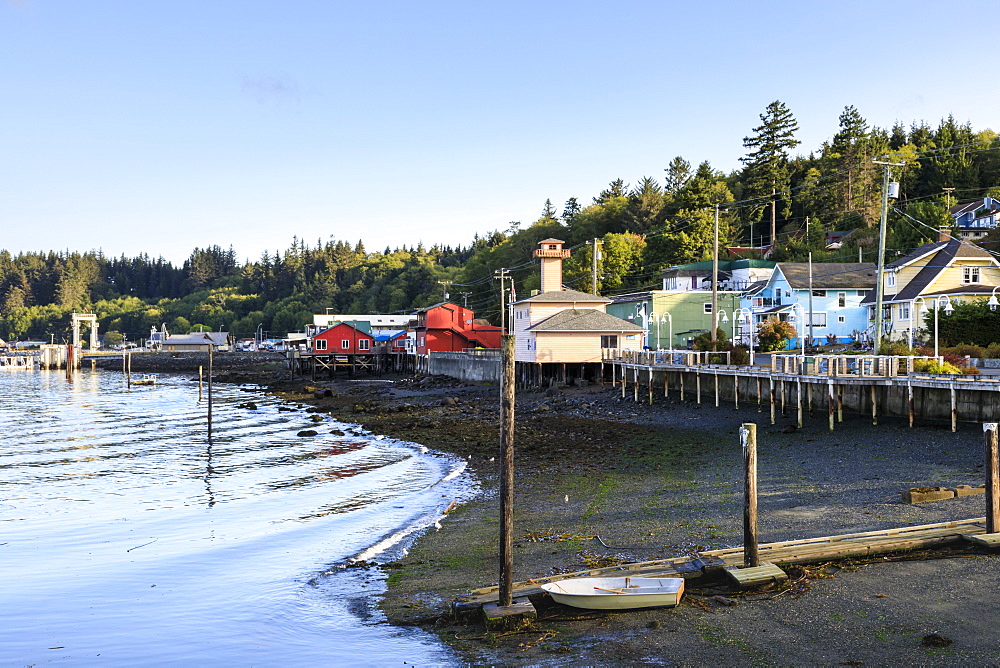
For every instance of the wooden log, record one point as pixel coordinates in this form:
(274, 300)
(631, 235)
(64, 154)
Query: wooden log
(748, 439)
(992, 473)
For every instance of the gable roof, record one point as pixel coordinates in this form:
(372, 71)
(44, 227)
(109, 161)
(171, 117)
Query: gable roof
(198, 338)
(583, 320)
(829, 275)
(563, 296)
(946, 252)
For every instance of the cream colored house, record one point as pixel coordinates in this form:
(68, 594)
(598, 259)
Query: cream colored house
(565, 326)
(948, 270)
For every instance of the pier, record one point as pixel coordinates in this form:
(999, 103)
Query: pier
(868, 385)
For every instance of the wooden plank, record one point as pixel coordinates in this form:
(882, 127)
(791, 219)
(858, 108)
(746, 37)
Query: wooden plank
(765, 573)
(988, 540)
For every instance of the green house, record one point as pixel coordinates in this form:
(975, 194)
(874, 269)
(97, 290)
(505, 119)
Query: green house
(671, 319)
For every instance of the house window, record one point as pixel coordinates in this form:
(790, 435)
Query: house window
(841, 299)
(364, 344)
(841, 318)
(609, 341)
(345, 344)
(904, 311)
(708, 307)
(863, 293)
(970, 274)
(817, 318)
(819, 293)
(320, 344)
(890, 279)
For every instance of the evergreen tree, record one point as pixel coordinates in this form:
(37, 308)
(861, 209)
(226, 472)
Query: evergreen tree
(766, 165)
(678, 174)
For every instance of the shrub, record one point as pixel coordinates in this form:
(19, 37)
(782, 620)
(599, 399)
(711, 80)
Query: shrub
(963, 349)
(896, 348)
(932, 366)
(774, 334)
(993, 351)
(704, 341)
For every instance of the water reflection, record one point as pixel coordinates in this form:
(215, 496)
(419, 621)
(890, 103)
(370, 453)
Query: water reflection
(130, 532)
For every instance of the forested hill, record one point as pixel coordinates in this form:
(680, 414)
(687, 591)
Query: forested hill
(656, 222)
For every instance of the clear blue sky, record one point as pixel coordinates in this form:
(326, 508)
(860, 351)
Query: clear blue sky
(139, 126)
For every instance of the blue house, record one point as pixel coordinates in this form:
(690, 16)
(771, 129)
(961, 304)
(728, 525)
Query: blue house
(975, 219)
(831, 313)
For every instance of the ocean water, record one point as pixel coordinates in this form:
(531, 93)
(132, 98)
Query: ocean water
(128, 536)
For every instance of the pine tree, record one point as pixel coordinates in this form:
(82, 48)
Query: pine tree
(678, 174)
(766, 172)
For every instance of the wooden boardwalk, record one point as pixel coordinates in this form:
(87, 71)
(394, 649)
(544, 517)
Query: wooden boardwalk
(808, 550)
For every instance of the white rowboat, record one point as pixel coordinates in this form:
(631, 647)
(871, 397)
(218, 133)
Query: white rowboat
(617, 593)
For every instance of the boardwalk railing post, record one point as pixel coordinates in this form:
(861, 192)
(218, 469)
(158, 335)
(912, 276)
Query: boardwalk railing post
(748, 439)
(992, 471)
(507, 470)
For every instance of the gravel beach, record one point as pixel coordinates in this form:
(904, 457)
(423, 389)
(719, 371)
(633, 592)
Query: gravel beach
(602, 480)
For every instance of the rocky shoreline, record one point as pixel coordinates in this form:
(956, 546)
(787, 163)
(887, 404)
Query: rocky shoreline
(601, 480)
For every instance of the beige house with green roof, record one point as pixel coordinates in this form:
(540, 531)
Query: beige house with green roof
(558, 326)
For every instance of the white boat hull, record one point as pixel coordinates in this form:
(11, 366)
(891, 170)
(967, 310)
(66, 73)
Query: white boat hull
(617, 593)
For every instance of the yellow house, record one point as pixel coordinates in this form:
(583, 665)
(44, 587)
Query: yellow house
(565, 326)
(933, 275)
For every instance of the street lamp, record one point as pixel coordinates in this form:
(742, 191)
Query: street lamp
(737, 317)
(936, 305)
(666, 317)
(655, 317)
(791, 318)
(993, 303)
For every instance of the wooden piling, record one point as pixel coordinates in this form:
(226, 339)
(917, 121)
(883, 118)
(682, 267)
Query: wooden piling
(992, 472)
(798, 402)
(650, 384)
(666, 383)
(770, 395)
(736, 391)
(874, 405)
(840, 403)
(760, 395)
(716, 389)
(200, 370)
(954, 409)
(680, 383)
(809, 396)
(783, 397)
(748, 439)
(697, 382)
(507, 470)
(210, 391)
(831, 402)
(909, 399)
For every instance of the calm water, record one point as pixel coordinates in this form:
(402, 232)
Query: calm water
(126, 537)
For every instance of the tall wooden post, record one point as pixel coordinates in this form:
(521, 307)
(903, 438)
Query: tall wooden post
(954, 409)
(832, 402)
(992, 471)
(130, 369)
(798, 402)
(200, 374)
(209, 390)
(770, 396)
(736, 391)
(748, 439)
(507, 470)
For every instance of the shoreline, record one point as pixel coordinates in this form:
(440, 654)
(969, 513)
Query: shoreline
(593, 470)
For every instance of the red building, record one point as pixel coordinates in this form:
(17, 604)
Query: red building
(343, 338)
(448, 327)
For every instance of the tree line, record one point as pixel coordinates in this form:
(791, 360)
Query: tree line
(777, 201)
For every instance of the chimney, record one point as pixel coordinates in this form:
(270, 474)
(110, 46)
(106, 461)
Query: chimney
(944, 234)
(551, 254)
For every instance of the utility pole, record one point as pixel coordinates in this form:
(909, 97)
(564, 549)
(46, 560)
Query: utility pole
(947, 196)
(465, 299)
(502, 275)
(596, 255)
(880, 262)
(446, 284)
(715, 278)
(774, 223)
(810, 296)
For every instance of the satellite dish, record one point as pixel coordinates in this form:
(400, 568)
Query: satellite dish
(468, 321)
